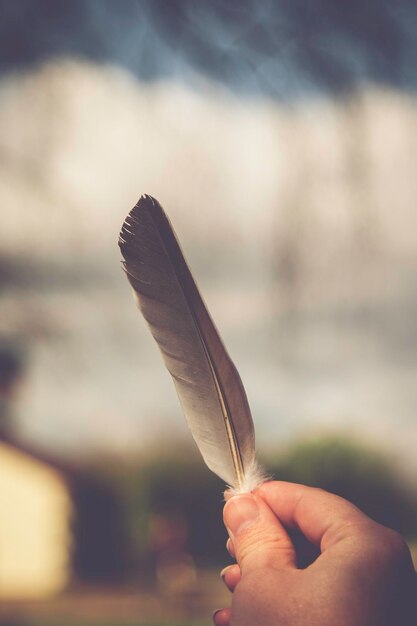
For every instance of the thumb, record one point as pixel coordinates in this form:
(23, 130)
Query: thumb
(259, 539)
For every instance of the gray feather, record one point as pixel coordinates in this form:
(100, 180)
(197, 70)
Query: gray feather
(208, 385)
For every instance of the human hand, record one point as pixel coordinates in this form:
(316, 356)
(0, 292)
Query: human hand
(363, 576)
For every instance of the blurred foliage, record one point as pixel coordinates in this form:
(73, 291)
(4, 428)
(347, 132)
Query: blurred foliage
(180, 488)
(176, 486)
(101, 539)
(356, 472)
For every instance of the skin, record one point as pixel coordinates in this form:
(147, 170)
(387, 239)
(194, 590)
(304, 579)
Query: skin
(363, 574)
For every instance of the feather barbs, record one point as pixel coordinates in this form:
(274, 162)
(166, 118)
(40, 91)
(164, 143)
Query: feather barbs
(208, 385)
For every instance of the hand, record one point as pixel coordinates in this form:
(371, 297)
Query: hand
(363, 575)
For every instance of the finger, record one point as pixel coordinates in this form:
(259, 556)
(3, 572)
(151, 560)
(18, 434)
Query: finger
(230, 548)
(259, 539)
(322, 517)
(231, 576)
(221, 617)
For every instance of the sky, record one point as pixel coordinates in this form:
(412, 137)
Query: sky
(281, 139)
(285, 49)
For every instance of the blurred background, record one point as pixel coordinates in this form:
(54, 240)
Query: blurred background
(281, 138)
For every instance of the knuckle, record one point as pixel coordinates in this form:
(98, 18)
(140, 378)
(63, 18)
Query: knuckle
(389, 545)
(395, 544)
(268, 543)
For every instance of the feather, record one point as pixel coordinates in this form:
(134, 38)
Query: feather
(208, 385)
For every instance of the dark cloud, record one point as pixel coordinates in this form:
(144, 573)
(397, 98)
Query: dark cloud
(284, 48)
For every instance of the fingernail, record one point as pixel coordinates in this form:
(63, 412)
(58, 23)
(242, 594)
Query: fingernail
(223, 572)
(240, 512)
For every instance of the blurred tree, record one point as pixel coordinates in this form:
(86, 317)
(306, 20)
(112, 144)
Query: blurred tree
(186, 486)
(101, 542)
(356, 472)
(11, 372)
(175, 487)
(171, 501)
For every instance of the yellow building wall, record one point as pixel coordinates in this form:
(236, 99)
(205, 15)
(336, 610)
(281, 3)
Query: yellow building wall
(35, 513)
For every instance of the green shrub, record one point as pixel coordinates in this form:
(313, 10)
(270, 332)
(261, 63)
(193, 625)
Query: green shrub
(179, 485)
(356, 472)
